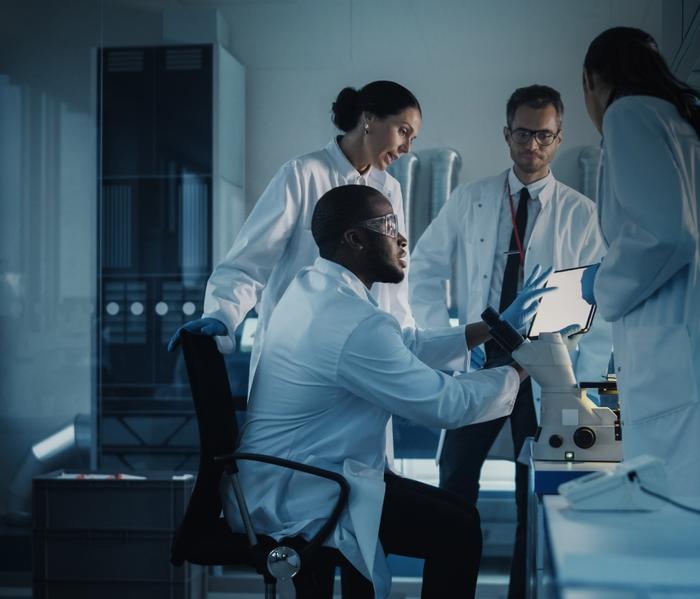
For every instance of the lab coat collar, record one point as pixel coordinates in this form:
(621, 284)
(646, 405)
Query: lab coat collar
(542, 189)
(347, 170)
(342, 274)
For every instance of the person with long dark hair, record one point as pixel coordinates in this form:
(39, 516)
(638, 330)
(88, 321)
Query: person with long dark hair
(648, 284)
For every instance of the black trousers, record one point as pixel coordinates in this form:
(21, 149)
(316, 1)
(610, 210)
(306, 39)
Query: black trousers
(420, 521)
(463, 454)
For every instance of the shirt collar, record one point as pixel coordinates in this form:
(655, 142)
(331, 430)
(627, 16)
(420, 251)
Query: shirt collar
(542, 189)
(342, 274)
(346, 168)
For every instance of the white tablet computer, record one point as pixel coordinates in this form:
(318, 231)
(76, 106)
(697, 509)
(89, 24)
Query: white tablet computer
(563, 307)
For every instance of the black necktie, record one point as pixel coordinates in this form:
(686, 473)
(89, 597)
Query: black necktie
(511, 276)
(495, 355)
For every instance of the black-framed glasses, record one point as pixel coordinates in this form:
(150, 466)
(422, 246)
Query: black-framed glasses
(386, 225)
(543, 137)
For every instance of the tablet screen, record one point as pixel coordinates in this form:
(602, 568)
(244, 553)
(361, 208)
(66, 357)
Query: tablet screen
(563, 307)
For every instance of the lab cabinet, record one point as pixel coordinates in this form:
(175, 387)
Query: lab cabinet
(156, 108)
(170, 180)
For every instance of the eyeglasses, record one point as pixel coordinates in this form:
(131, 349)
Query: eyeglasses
(386, 225)
(543, 137)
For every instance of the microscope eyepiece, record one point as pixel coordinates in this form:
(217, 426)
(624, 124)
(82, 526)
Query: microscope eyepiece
(501, 331)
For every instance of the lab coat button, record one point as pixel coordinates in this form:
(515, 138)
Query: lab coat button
(481, 240)
(479, 205)
(484, 276)
(619, 368)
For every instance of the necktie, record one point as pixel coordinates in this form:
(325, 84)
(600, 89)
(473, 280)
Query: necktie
(511, 276)
(495, 356)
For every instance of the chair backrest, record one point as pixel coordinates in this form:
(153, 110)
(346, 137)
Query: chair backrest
(218, 433)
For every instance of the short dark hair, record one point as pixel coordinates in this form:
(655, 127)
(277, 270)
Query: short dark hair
(339, 210)
(381, 98)
(628, 59)
(534, 96)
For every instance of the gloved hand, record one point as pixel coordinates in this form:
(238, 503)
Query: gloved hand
(571, 336)
(525, 305)
(202, 326)
(587, 280)
(478, 357)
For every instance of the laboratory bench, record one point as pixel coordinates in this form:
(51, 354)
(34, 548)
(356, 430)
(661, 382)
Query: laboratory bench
(607, 554)
(544, 478)
(573, 554)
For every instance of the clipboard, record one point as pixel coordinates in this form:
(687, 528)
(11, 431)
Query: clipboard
(562, 307)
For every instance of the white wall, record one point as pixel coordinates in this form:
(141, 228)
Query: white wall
(462, 59)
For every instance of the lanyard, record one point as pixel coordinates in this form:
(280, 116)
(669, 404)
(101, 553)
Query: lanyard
(518, 242)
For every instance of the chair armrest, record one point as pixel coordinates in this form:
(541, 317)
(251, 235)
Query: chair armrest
(318, 539)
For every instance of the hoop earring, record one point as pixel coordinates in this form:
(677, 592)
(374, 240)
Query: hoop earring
(366, 128)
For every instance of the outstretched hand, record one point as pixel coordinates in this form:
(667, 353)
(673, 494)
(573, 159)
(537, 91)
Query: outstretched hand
(202, 326)
(525, 305)
(571, 335)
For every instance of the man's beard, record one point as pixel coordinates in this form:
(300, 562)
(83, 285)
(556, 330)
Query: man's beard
(382, 269)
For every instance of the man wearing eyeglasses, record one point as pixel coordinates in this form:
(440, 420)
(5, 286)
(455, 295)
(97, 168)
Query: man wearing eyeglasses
(333, 367)
(486, 238)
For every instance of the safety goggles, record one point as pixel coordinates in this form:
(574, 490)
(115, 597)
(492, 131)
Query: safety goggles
(386, 225)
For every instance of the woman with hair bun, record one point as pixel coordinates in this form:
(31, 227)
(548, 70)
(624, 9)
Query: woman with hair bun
(648, 285)
(379, 123)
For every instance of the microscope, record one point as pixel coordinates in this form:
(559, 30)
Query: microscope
(572, 427)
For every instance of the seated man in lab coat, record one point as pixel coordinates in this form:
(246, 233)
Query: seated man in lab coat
(486, 236)
(333, 368)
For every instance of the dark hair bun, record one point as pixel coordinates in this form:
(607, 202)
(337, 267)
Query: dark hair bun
(346, 109)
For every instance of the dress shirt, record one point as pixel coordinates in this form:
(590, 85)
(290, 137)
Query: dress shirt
(505, 228)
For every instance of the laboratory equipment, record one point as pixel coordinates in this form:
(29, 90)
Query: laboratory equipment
(632, 485)
(564, 305)
(572, 427)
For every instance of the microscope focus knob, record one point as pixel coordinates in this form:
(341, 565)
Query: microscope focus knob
(584, 437)
(556, 441)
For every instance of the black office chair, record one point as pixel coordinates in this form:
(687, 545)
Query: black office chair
(204, 537)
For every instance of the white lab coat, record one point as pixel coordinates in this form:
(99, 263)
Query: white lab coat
(333, 368)
(649, 282)
(275, 242)
(460, 244)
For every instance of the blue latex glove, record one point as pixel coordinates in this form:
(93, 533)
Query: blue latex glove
(478, 357)
(571, 336)
(202, 326)
(587, 280)
(525, 305)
